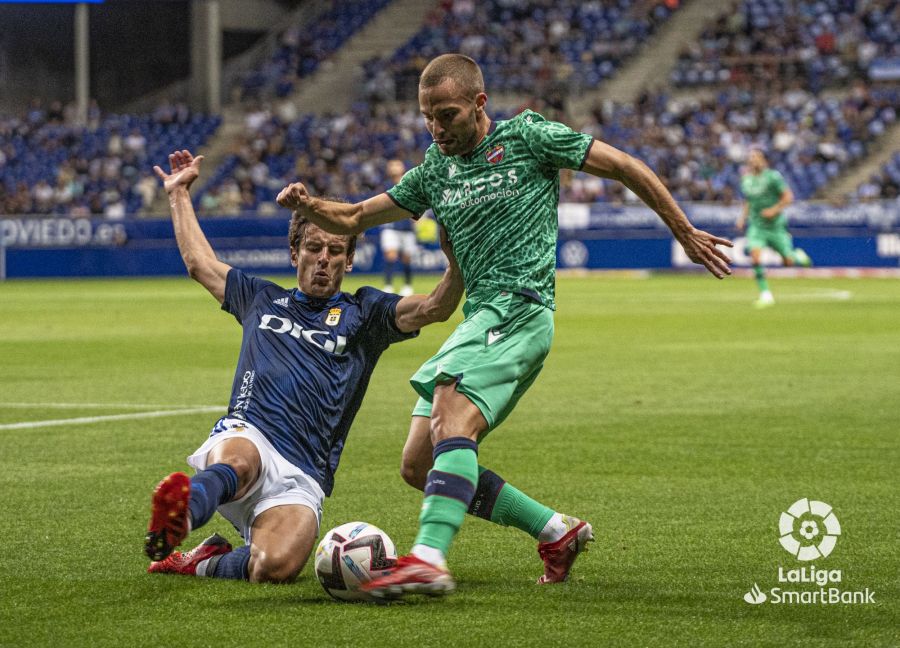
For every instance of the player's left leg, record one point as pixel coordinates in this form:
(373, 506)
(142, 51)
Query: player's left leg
(782, 242)
(283, 538)
(181, 503)
(281, 542)
(456, 424)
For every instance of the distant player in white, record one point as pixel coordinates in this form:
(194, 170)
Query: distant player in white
(398, 241)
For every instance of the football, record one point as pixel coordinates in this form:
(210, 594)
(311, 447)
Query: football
(350, 555)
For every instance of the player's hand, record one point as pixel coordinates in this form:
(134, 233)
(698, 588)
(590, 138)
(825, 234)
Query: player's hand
(739, 226)
(184, 170)
(701, 248)
(294, 196)
(769, 212)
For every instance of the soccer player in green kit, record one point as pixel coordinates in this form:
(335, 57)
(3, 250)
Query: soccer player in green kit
(494, 188)
(766, 194)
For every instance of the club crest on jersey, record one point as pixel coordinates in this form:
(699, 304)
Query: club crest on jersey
(495, 154)
(451, 171)
(334, 316)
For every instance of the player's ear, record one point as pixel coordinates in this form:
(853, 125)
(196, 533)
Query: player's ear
(349, 265)
(480, 101)
(295, 261)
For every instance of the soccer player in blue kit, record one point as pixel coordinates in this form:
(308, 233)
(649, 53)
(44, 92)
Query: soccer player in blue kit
(306, 358)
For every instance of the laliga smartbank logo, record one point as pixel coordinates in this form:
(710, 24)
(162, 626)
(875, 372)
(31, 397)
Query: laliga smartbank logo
(808, 530)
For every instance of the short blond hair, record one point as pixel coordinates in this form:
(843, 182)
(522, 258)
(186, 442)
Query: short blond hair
(462, 70)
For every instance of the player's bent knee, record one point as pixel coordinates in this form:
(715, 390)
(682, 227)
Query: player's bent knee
(414, 473)
(274, 567)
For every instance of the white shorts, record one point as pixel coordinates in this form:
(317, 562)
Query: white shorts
(280, 482)
(397, 241)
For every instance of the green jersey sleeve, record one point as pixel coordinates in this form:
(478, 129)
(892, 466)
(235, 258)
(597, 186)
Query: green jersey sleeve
(554, 144)
(409, 193)
(776, 182)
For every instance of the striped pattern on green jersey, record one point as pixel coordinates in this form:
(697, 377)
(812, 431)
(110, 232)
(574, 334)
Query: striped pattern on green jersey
(499, 203)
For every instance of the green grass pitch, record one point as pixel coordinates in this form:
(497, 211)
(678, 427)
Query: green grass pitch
(672, 415)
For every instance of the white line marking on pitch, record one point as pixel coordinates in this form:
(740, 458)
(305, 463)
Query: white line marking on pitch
(146, 406)
(112, 417)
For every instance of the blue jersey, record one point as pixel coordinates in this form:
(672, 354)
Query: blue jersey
(305, 365)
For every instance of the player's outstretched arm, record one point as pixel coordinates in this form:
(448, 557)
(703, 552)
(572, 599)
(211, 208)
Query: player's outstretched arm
(607, 162)
(416, 311)
(341, 218)
(198, 255)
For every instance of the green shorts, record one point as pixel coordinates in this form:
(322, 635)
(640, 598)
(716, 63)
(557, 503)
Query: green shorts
(494, 355)
(777, 238)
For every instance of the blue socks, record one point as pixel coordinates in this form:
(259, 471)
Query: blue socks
(209, 488)
(233, 565)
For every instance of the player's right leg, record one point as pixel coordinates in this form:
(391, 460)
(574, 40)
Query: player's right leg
(390, 246)
(765, 295)
(181, 503)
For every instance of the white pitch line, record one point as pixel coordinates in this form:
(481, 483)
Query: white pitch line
(147, 406)
(112, 417)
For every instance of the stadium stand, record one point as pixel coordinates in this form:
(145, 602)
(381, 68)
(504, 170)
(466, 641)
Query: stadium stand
(341, 155)
(536, 46)
(883, 185)
(698, 145)
(50, 165)
(302, 48)
(820, 42)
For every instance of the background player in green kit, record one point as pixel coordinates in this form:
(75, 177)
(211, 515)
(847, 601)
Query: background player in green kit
(494, 188)
(766, 194)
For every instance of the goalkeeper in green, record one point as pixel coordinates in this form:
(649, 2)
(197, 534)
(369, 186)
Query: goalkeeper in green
(494, 187)
(766, 194)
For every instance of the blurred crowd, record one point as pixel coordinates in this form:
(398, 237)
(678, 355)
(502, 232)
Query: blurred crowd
(52, 164)
(342, 156)
(698, 146)
(545, 47)
(820, 42)
(303, 48)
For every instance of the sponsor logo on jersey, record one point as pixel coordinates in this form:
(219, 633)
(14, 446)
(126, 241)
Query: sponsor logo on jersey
(334, 316)
(319, 339)
(483, 189)
(281, 302)
(495, 154)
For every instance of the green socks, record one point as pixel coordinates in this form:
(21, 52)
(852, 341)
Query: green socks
(760, 273)
(448, 492)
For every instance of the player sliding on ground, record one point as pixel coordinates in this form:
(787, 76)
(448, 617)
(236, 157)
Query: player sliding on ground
(494, 187)
(306, 357)
(766, 194)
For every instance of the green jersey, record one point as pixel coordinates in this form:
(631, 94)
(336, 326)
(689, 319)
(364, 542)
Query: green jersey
(499, 203)
(761, 192)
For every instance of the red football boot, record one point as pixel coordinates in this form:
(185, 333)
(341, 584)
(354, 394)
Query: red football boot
(186, 563)
(559, 556)
(411, 575)
(169, 518)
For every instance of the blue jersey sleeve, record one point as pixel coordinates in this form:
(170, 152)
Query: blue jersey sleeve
(240, 289)
(380, 312)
